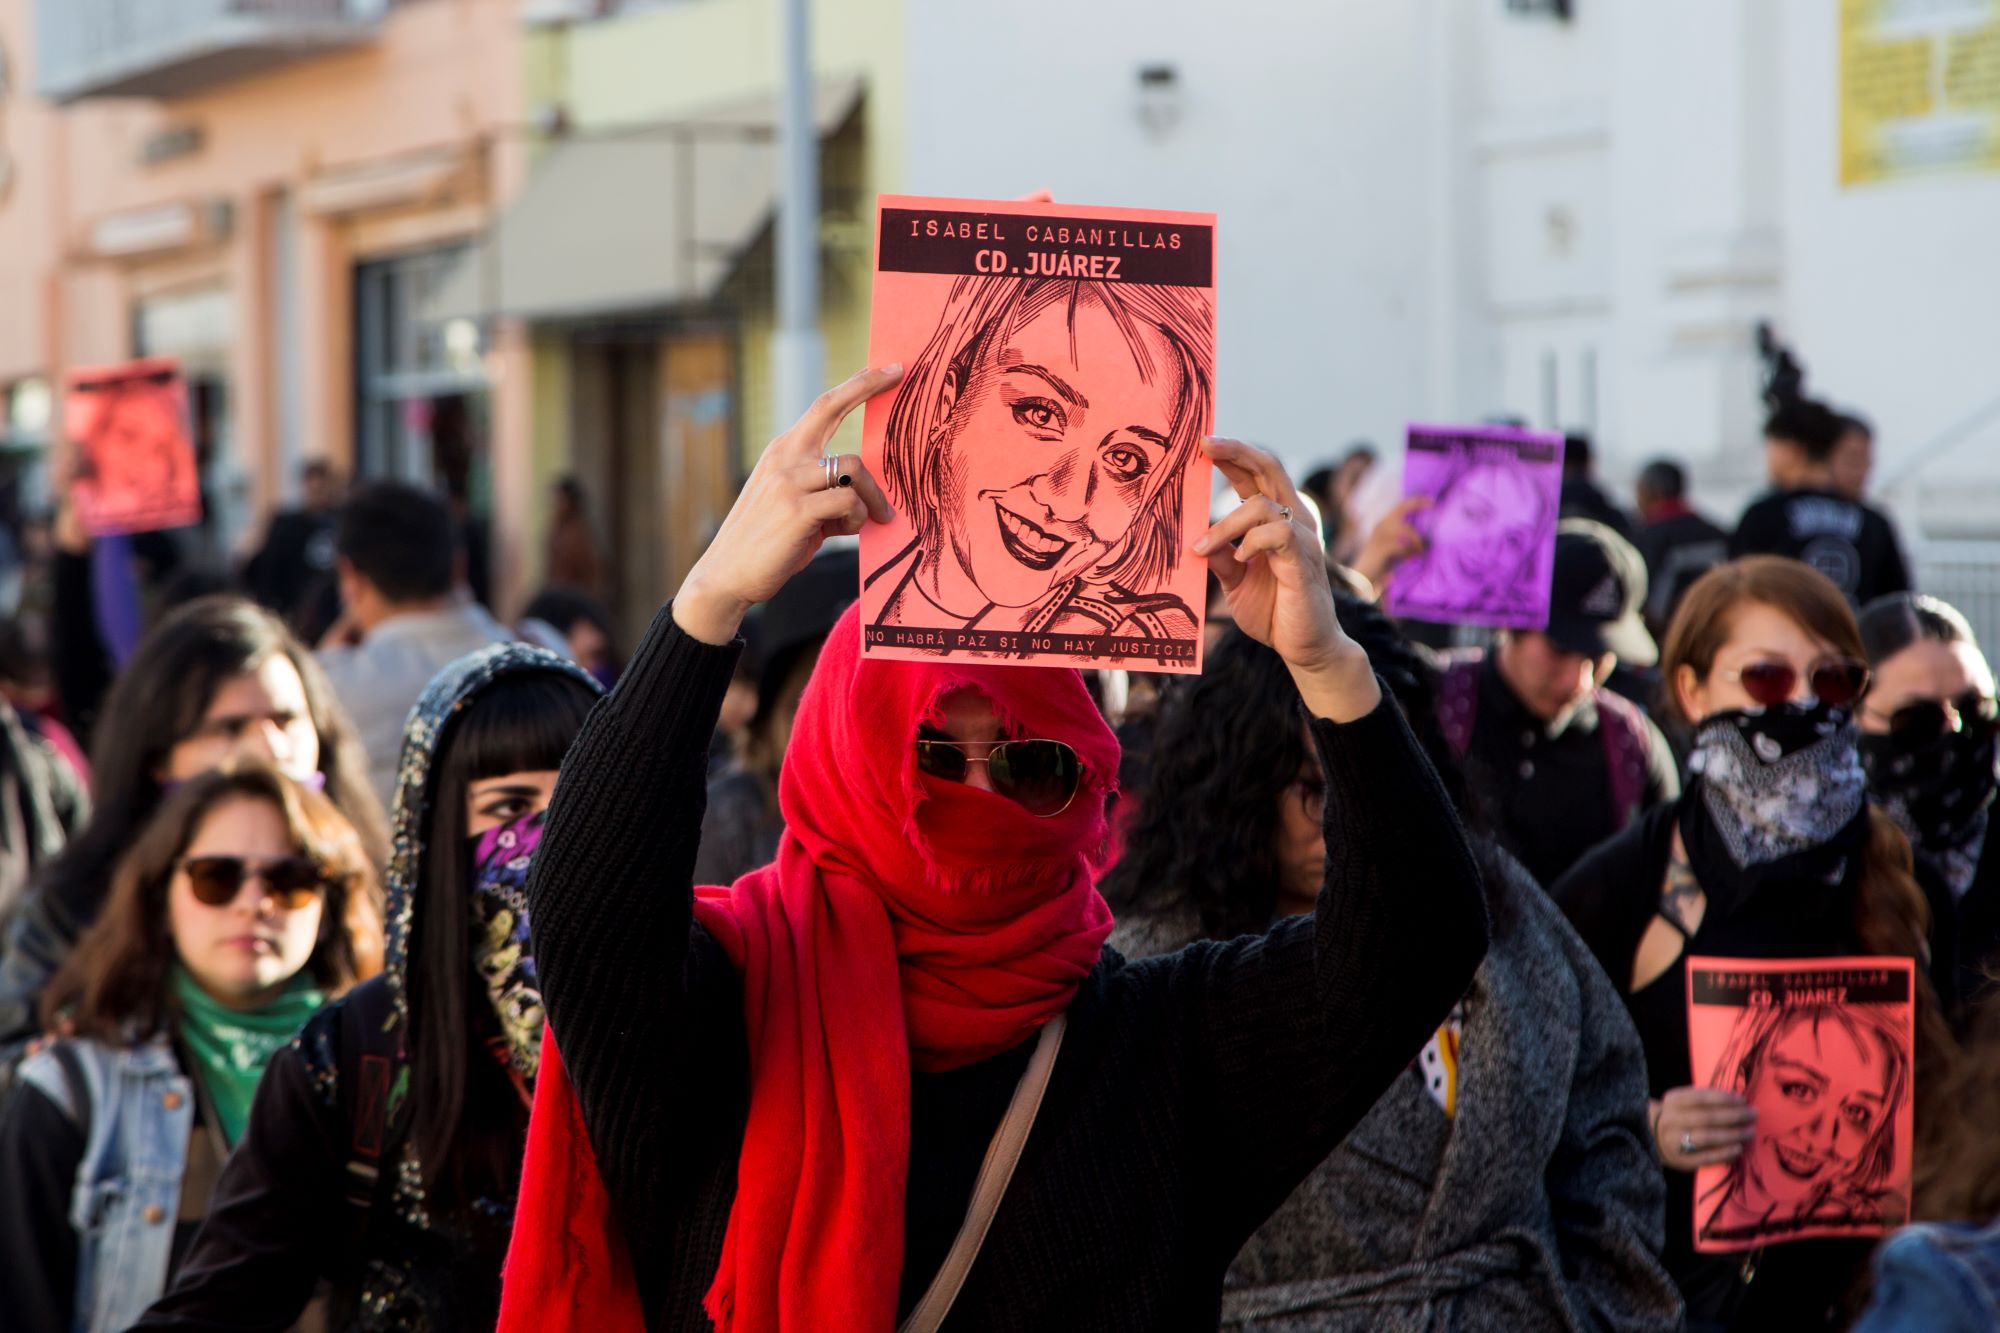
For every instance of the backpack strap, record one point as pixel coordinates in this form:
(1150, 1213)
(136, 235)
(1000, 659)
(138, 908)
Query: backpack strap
(1623, 729)
(1458, 699)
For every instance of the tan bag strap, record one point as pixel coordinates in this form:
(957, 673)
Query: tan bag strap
(1002, 1155)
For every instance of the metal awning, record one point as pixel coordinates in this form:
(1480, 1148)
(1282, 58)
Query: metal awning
(649, 217)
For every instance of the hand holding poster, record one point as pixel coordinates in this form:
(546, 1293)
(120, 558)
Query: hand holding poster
(1490, 531)
(1822, 1049)
(129, 423)
(1043, 449)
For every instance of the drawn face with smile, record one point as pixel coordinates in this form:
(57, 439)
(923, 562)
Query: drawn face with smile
(1050, 450)
(1486, 526)
(1822, 1093)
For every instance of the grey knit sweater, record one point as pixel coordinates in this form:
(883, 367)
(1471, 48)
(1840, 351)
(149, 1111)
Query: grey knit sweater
(1537, 1206)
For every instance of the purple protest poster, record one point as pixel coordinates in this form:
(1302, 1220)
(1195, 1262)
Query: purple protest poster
(1489, 531)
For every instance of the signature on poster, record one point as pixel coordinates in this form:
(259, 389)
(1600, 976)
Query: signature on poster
(1041, 451)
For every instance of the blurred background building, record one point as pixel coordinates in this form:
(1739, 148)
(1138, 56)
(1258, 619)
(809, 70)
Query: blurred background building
(489, 242)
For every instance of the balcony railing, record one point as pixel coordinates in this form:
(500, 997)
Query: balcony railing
(171, 48)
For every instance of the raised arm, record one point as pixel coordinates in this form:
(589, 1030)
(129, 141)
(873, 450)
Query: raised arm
(610, 895)
(1296, 1033)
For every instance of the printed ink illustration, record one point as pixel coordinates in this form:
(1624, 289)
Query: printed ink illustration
(1043, 449)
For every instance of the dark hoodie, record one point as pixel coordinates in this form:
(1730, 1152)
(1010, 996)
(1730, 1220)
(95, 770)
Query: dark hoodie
(325, 1184)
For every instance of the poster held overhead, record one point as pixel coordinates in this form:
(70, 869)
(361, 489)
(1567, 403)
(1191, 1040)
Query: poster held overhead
(1490, 530)
(1823, 1050)
(1043, 449)
(130, 425)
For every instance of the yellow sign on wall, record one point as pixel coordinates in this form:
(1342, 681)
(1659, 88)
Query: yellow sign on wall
(1919, 88)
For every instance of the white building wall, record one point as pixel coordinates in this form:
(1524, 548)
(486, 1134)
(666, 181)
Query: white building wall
(1438, 208)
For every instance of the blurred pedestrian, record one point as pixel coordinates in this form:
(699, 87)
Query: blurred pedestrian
(1928, 727)
(1854, 457)
(1805, 515)
(1942, 1274)
(405, 620)
(791, 1085)
(742, 824)
(1581, 496)
(1771, 852)
(573, 559)
(1558, 761)
(583, 626)
(220, 679)
(1542, 1183)
(1677, 544)
(245, 902)
(295, 565)
(384, 1146)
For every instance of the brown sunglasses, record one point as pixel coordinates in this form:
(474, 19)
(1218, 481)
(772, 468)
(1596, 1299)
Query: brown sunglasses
(293, 881)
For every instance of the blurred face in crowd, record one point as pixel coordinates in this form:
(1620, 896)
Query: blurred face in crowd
(1548, 681)
(492, 802)
(1926, 672)
(1853, 459)
(245, 949)
(589, 646)
(1062, 434)
(1757, 633)
(1302, 834)
(260, 713)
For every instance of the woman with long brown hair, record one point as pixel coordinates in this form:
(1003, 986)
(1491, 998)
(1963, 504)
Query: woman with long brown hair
(245, 903)
(1771, 852)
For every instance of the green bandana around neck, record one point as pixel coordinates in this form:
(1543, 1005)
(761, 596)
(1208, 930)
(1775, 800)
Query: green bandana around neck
(230, 1047)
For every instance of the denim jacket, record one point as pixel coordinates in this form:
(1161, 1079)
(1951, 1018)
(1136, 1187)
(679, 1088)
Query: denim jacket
(128, 1185)
(1941, 1277)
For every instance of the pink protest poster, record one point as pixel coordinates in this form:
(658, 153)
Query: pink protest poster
(1489, 531)
(130, 426)
(1043, 449)
(1823, 1049)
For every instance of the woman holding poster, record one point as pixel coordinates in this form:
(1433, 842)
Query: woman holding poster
(778, 1097)
(1771, 853)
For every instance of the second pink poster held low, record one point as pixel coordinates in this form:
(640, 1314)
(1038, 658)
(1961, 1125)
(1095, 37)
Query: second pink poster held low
(1043, 450)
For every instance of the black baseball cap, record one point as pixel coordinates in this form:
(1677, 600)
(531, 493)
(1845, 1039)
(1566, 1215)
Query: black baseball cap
(1595, 596)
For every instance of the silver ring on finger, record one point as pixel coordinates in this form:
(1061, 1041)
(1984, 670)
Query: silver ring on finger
(1285, 512)
(1687, 1143)
(830, 468)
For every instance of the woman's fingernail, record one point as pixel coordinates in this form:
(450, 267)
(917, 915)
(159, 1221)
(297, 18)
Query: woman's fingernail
(893, 368)
(1200, 547)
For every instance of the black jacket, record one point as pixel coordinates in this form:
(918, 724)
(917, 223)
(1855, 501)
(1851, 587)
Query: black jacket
(1849, 542)
(1192, 1092)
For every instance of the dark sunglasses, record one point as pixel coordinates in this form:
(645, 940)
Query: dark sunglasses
(293, 881)
(1925, 719)
(1835, 681)
(1039, 776)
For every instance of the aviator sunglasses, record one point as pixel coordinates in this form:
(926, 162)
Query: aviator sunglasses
(1039, 776)
(1835, 681)
(294, 881)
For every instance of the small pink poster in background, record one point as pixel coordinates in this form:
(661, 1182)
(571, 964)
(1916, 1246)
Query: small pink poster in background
(1490, 530)
(130, 425)
(1823, 1048)
(1043, 450)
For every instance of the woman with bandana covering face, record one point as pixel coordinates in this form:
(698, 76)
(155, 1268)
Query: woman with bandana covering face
(1927, 745)
(771, 1100)
(1771, 852)
(385, 1143)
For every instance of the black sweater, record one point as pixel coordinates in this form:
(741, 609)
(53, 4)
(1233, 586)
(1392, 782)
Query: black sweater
(1192, 1093)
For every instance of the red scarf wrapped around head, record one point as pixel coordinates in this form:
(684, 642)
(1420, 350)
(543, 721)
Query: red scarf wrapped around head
(907, 921)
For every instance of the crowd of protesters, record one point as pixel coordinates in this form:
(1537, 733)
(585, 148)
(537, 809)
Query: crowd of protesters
(1340, 986)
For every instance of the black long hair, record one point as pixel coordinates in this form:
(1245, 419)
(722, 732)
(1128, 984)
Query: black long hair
(159, 699)
(463, 1105)
(1229, 742)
